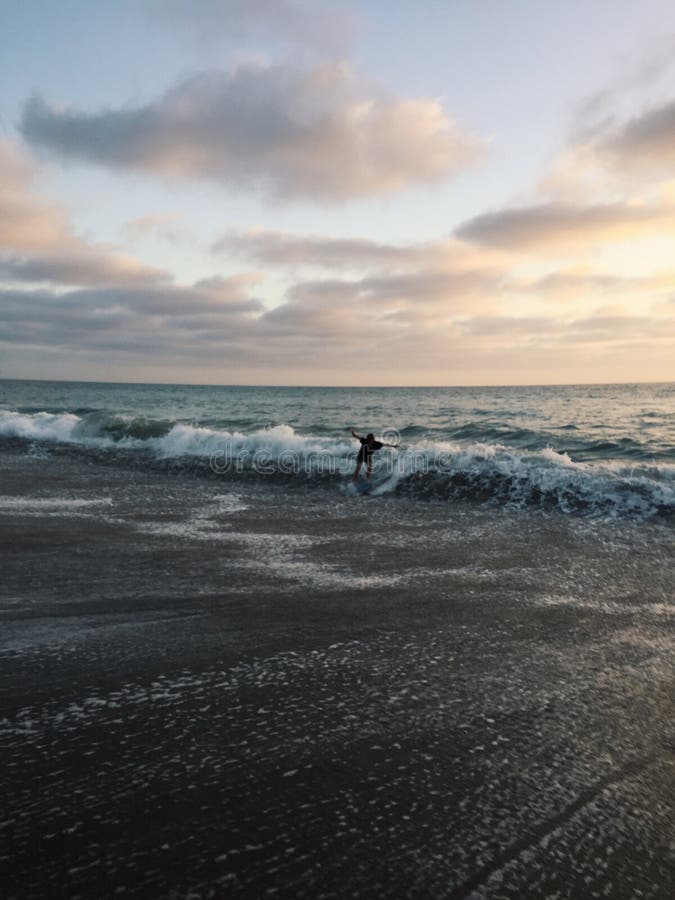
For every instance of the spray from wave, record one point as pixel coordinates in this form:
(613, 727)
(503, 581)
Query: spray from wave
(486, 472)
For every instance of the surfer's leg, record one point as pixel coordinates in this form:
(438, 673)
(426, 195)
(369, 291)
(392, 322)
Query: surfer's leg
(358, 469)
(370, 469)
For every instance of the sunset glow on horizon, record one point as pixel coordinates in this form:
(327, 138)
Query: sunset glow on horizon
(337, 193)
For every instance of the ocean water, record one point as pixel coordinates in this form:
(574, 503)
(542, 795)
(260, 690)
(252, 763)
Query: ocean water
(598, 450)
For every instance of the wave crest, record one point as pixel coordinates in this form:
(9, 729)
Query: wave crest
(485, 472)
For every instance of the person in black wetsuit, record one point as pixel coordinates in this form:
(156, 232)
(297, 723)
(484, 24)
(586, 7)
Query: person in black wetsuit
(368, 446)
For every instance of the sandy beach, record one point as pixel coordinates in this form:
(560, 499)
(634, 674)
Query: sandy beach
(208, 693)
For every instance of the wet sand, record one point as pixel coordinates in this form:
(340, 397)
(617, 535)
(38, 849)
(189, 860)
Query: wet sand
(212, 690)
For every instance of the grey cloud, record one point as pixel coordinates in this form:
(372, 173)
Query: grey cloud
(530, 227)
(328, 291)
(646, 141)
(508, 325)
(82, 316)
(222, 296)
(318, 134)
(570, 284)
(612, 151)
(150, 327)
(278, 248)
(452, 290)
(379, 307)
(286, 250)
(130, 327)
(168, 227)
(85, 268)
(321, 322)
(613, 326)
(597, 110)
(140, 325)
(564, 282)
(540, 331)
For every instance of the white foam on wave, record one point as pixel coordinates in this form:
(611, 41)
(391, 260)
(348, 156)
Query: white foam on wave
(516, 476)
(39, 426)
(281, 556)
(193, 529)
(609, 607)
(493, 472)
(229, 502)
(277, 446)
(63, 505)
(204, 524)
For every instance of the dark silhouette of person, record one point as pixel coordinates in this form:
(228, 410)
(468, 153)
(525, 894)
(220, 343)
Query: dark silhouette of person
(368, 446)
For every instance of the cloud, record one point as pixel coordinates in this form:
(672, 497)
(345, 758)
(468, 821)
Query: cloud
(37, 243)
(167, 227)
(615, 157)
(439, 282)
(510, 327)
(284, 250)
(602, 330)
(639, 79)
(606, 348)
(154, 320)
(611, 182)
(434, 311)
(84, 268)
(580, 282)
(447, 291)
(277, 248)
(319, 134)
(543, 226)
(217, 329)
(635, 76)
(399, 312)
(25, 221)
(646, 142)
(633, 333)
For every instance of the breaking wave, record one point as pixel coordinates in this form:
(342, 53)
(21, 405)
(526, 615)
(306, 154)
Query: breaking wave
(484, 471)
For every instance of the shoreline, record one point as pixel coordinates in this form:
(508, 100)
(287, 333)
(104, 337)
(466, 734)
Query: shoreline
(263, 693)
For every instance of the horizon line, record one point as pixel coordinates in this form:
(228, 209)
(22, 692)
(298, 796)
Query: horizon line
(339, 386)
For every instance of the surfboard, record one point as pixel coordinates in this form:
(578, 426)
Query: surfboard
(357, 488)
(374, 484)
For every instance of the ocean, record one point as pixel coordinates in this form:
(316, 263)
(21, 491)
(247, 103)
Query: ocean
(225, 673)
(590, 450)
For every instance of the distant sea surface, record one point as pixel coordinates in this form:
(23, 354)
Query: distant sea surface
(601, 450)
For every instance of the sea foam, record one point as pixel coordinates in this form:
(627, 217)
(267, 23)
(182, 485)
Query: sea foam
(486, 472)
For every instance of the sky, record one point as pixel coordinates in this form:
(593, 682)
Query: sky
(468, 192)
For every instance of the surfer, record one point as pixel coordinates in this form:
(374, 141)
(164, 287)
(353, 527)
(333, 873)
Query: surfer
(368, 446)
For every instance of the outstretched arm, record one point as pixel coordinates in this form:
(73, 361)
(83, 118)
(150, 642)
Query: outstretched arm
(354, 434)
(395, 446)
